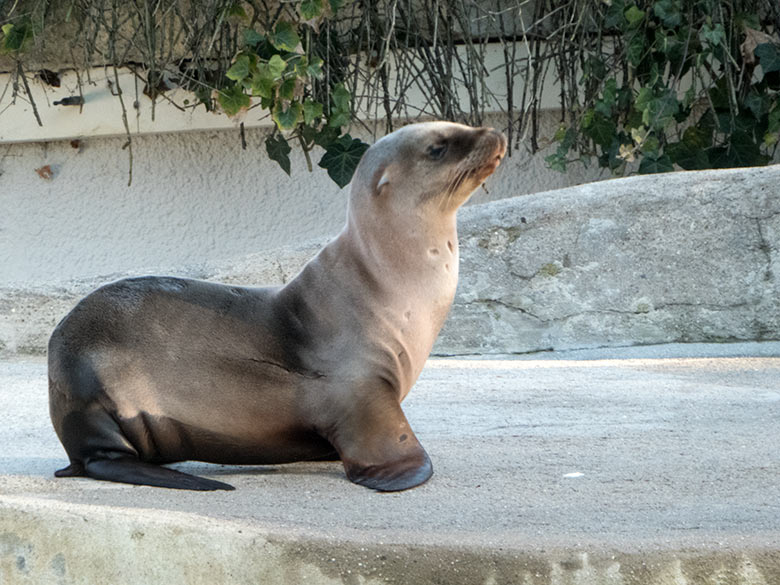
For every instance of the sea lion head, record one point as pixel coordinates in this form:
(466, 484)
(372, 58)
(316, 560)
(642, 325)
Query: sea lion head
(436, 165)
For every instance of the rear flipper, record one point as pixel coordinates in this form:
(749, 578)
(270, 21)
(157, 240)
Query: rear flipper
(75, 469)
(131, 470)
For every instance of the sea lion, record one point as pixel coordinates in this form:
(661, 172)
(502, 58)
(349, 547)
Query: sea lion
(153, 370)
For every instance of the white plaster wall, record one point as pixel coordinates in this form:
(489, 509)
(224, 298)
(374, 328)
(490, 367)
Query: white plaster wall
(196, 198)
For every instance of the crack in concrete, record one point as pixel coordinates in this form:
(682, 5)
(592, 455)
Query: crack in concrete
(766, 248)
(772, 215)
(503, 304)
(510, 306)
(521, 276)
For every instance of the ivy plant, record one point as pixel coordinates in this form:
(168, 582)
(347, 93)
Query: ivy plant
(643, 86)
(679, 84)
(274, 60)
(280, 68)
(16, 36)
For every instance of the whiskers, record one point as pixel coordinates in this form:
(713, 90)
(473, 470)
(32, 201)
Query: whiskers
(455, 183)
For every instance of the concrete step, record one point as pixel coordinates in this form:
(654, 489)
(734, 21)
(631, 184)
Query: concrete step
(635, 467)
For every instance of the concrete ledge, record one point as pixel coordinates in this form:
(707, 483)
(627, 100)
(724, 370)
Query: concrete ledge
(596, 468)
(101, 113)
(95, 544)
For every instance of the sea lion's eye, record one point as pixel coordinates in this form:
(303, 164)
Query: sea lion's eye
(437, 151)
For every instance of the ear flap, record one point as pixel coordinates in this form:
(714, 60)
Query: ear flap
(384, 179)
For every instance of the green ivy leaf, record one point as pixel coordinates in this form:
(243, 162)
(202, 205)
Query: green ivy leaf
(336, 5)
(556, 162)
(252, 38)
(309, 67)
(719, 95)
(326, 136)
(341, 158)
(610, 156)
(634, 16)
(608, 99)
(643, 98)
(341, 98)
(285, 37)
(742, 151)
(772, 135)
(650, 165)
(742, 122)
(340, 110)
(659, 112)
(276, 66)
(237, 11)
(651, 146)
(233, 99)
(279, 150)
(688, 157)
(287, 119)
(698, 137)
(263, 82)
(614, 17)
(636, 49)
(713, 36)
(601, 130)
(568, 140)
(769, 55)
(287, 89)
(311, 111)
(668, 12)
(240, 69)
(16, 37)
(311, 9)
(594, 68)
(757, 103)
(203, 93)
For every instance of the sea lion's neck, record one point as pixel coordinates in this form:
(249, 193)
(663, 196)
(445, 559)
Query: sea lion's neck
(407, 249)
(395, 292)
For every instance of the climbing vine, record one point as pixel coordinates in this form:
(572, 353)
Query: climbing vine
(690, 84)
(642, 86)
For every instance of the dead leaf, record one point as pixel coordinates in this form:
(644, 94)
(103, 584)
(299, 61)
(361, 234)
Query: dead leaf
(753, 38)
(45, 172)
(49, 77)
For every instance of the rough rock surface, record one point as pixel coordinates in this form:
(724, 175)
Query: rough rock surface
(679, 257)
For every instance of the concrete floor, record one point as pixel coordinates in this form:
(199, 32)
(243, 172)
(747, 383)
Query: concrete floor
(632, 466)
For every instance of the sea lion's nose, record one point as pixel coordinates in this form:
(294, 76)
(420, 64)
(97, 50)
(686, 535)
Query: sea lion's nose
(499, 140)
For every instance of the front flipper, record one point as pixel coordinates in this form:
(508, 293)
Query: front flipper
(377, 446)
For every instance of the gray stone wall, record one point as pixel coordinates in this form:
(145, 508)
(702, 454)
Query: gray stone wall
(679, 257)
